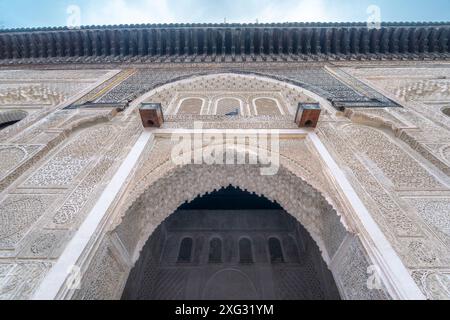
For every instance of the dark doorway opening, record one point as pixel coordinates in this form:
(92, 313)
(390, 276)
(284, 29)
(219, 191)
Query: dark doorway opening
(230, 245)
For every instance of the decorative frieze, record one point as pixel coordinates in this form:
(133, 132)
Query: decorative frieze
(317, 80)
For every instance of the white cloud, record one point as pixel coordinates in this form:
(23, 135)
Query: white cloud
(127, 12)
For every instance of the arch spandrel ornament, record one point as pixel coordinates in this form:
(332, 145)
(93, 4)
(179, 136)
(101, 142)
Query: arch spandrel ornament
(169, 191)
(304, 164)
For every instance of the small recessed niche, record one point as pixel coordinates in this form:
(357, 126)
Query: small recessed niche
(308, 124)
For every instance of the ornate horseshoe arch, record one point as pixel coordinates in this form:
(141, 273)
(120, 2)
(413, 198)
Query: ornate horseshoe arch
(146, 191)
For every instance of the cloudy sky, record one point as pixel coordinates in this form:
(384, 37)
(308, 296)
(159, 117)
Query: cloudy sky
(32, 13)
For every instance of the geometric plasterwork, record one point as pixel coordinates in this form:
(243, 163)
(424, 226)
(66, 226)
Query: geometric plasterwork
(446, 154)
(401, 169)
(435, 285)
(419, 89)
(425, 90)
(436, 213)
(17, 214)
(30, 95)
(382, 204)
(27, 227)
(39, 92)
(422, 92)
(352, 275)
(104, 278)
(44, 244)
(69, 213)
(416, 227)
(409, 83)
(13, 155)
(70, 162)
(43, 88)
(386, 154)
(19, 280)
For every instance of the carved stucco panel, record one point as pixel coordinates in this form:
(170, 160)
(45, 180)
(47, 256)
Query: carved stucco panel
(400, 168)
(70, 212)
(12, 156)
(42, 91)
(411, 238)
(19, 281)
(414, 88)
(442, 153)
(57, 227)
(429, 130)
(351, 272)
(434, 283)
(381, 117)
(420, 91)
(436, 213)
(72, 159)
(104, 277)
(44, 87)
(424, 253)
(404, 130)
(383, 206)
(423, 90)
(53, 120)
(408, 83)
(44, 244)
(17, 215)
(446, 154)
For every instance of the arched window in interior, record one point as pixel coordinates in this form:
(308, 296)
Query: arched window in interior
(245, 251)
(228, 107)
(215, 251)
(276, 253)
(192, 106)
(185, 253)
(267, 107)
(290, 249)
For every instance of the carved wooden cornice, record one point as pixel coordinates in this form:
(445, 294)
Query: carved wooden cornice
(219, 42)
